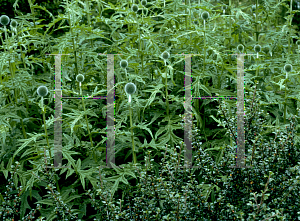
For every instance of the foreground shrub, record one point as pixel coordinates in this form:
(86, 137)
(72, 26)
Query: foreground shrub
(211, 192)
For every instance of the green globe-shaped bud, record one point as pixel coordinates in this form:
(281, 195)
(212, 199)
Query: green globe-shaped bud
(123, 64)
(266, 49)
(144, 3)
(130, 88)
(80, 78)
(13, 24)
(4, 20)
(288, 68)
(134, 8)
(165, 55)
(240, 47)
(205, 15)
(42, 91)
(257, 48)
(298, 42)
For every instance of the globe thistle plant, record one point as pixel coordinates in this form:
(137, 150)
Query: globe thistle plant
(165, 55)
(287, 68)
(205, 16)
(240, 47)
(43, 91)
(14, 23)
(80, 79)
(134, 8)
(257, 49)
(130, 89)
(267, 50)
(144, 2)
(124, 65)
(4, 20)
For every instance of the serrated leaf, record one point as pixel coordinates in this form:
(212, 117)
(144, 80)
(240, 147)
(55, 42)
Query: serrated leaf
(27, 141)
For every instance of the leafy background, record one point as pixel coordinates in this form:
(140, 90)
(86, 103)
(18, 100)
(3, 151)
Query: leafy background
(112, 27)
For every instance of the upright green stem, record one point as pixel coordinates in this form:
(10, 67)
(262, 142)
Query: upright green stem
(186, 23)
(12, 71)
(32, 12)
(140, 44)
(44, 111)
(256, 33)
(89, 18)
(87, 124)
(290, 22)
(76, 68)
(133, 149)
(285, 102)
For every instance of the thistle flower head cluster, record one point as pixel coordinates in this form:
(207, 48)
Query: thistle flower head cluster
(205, 15)
(14, 23)
(257, 48)
(240, 47)
(42, 91)
(80, 78)
(130, 88)
(165, 55)
(134, 8)
(123, 64)
(288, 67)
(144, 2)
(4, 20)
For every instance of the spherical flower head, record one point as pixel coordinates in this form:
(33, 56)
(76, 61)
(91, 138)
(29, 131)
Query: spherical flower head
(123, 64)
(205, 15)
(165, 55)
(4, 20)
(130, 88)
(13, 24)
(144, 3)
(240, 47)
(80, 78)
(288, 68)
(298, 42)
(42, 91)
(266, 49)
(134, 8)
(257, 48)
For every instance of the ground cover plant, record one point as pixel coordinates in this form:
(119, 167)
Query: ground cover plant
(149, 108)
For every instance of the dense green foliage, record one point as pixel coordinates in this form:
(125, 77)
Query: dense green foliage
(148, 35)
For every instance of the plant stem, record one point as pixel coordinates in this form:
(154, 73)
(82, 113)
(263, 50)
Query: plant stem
(87, 124)
(166, 85)
(12, 71)
(74, 47)
(133, 149)
(44, 111)
(89, 19)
